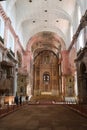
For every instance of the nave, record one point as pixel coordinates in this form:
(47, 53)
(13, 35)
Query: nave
(43, 117)
(43, 62)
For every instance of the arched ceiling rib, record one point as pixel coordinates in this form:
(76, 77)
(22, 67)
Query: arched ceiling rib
(43, 15)
(45, 41)
(40, 28)
(10, 4)
(39, 50)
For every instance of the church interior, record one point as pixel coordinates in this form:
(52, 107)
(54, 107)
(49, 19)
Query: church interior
(43, 51)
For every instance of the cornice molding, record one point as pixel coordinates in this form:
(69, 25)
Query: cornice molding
(83, 23)
(9, 26)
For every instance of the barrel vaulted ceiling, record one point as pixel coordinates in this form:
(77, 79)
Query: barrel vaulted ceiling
(32, 18)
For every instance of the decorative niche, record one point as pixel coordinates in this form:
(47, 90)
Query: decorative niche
(19, 59)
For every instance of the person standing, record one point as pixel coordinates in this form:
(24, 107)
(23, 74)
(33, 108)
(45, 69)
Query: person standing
(16, 100)
(20, 100)
(26, 98)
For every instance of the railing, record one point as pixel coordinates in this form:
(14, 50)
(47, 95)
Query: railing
(80, 108)
(7, 109)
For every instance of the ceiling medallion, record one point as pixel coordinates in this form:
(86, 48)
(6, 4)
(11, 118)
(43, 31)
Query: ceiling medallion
(33, 21)
(45, 10)
(45, 20)
(30, 0)
(57, 21)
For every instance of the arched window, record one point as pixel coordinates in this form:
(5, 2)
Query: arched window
(71, 32)
(1, 27)
(81, 36)
(10, 42)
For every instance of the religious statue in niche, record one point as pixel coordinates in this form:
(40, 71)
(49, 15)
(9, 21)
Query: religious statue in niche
(37, 72)
(19, 59)
(47, 59)
(55, 73)
(21, 90)
(70, 86)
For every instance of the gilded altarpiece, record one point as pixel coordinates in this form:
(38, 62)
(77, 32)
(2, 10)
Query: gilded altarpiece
(46, 74)
(22, 83)
(69, 91)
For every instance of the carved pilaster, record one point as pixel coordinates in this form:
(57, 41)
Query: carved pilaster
(7, 25)
(16, 40)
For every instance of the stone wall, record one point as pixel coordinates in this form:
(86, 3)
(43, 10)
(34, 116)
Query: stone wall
(81, 63)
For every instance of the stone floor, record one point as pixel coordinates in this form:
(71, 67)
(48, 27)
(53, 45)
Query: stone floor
(43, 117)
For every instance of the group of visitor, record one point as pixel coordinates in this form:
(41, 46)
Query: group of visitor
(18, 100)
